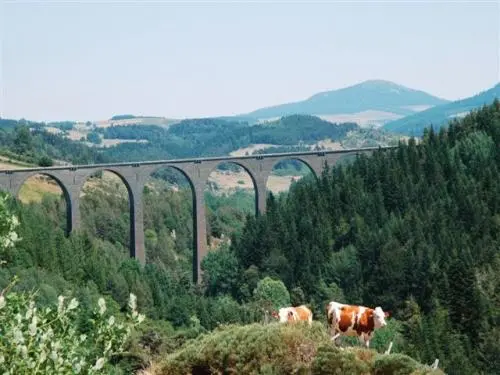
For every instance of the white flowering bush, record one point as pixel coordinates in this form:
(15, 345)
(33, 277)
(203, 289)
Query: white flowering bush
(45, 340)
(8, 225)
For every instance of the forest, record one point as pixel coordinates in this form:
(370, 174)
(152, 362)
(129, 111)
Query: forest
(415, 230)
(217, 137)
(188, 138)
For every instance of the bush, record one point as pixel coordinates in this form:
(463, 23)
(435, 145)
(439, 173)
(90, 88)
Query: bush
(394, 364)
(34, 339)
(272, 349)
(332, 360)
(281, 349)
(45, 161)
(271, 294)
(94, 137)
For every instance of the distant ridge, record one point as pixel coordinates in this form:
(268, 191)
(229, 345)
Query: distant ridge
(371, 95)
(440, 115)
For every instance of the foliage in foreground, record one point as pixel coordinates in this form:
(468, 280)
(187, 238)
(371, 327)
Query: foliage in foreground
(41, 341)
(281, 349)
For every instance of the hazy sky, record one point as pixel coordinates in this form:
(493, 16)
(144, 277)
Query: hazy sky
(66, 60)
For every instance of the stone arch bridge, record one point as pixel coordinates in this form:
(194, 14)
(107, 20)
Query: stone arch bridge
(135, 175)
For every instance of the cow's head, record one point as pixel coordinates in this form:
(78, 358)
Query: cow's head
(379, 317)
(282, 315)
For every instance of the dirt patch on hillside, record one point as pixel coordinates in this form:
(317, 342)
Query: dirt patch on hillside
(328, 144)
(35, 187)
(228, 181)
(251, 149)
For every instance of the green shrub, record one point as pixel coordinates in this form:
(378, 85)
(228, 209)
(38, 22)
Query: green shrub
(394, 364)
(331, 360)
(45, 161)
(271, 294)
(271, 349)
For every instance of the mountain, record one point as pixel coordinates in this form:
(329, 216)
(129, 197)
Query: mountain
(382, 100)
(440, 115)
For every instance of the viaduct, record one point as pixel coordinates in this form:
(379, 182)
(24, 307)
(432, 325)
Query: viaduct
(135, 175)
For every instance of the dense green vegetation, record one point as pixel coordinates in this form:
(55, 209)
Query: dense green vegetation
(188, 138)
(93, 137)
(19, 143)
(62, 125)
(123, 117)
(217, 137)
(440, 115)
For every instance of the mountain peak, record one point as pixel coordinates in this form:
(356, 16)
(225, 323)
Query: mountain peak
(365, 87)
(371, 95)
(382, 85)
(378, 83)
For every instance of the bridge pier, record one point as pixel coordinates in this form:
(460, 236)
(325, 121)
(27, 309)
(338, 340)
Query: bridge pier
(200, 232)
(74, 218)
(137, 245)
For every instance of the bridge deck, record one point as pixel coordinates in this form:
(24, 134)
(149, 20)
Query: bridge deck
(194, 160)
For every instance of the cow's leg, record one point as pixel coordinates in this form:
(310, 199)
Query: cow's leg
(365, 339)
(368, 339)
(338, 343)
(335, 337)
(361, 339)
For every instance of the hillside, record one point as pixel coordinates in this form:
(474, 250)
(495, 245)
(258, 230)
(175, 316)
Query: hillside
(380, 99)
(440, 115)
(79, 143)
(215, 137)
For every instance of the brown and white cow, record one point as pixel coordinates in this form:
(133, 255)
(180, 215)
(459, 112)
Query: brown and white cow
(351, 320)
(293, 314)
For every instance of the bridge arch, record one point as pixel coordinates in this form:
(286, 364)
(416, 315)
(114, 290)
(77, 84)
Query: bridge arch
(303, 160)
(62, 186)
(246, 168)
(284, 171)
(131, 199)
(161, 172)
(116, 172)
(234, 182)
